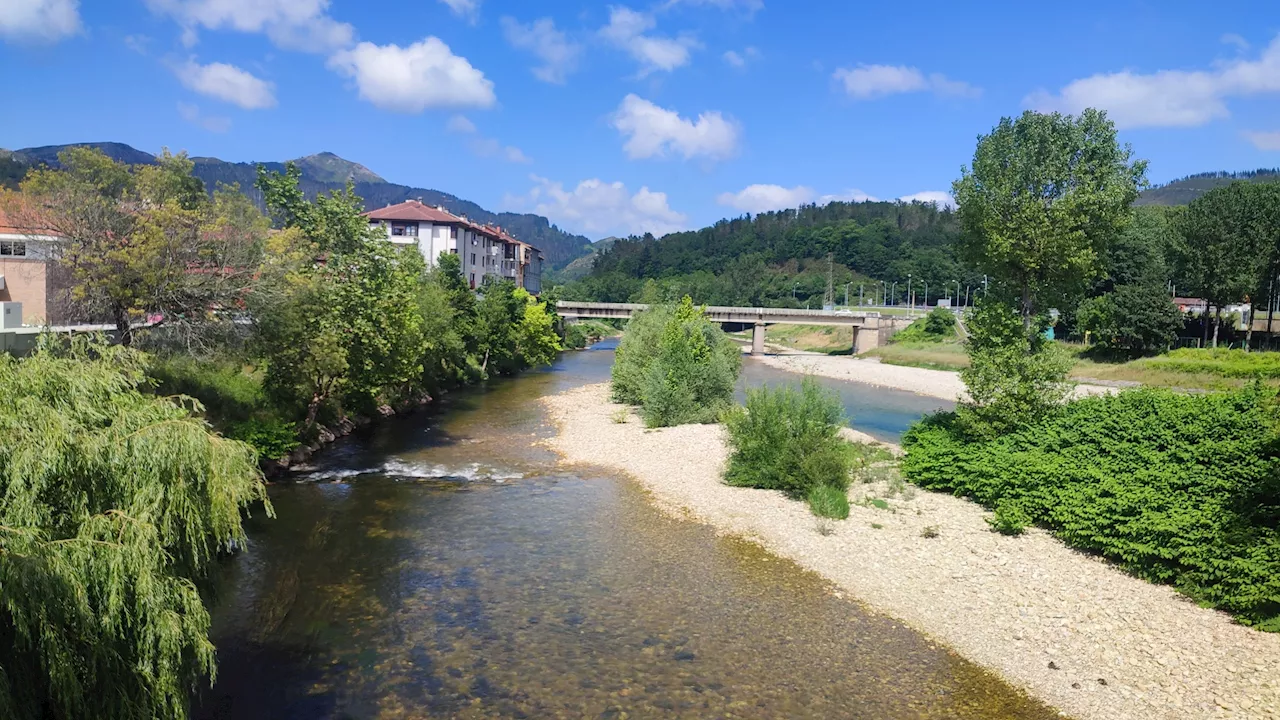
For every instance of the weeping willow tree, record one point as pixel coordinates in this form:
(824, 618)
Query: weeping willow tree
(113, 502)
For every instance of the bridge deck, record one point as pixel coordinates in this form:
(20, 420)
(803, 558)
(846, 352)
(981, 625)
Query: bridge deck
(746, 315)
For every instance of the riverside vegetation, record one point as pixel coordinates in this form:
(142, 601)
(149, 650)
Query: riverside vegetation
(1178, 489)
(119, 492)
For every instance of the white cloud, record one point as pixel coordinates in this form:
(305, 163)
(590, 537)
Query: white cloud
(1264, 140)
(652, 131)
(468, 10)
(1233, 39)
(1167, 98)
(137, 43)
(736, 59)
(559, 56)
(626, 30)
(851, 195)
(938, 197)
(423, 75)
(291, 24)
(748, 6)
(870, 81)
(597, 207)
(460, 124)
(39, 21)
(227, 83)
(483, 146)
(212, 123)
(764, 198)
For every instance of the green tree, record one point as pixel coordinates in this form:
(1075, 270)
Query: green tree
(116, 502)
(1014, 377)
(497, 314)
(693, 371)
(142, 240)
(1136, 319)
(1231, 243)
(536, 339)
(1045, 195)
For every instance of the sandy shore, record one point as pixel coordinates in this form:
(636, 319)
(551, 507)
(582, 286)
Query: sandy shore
(933, 383)
(1070, 629)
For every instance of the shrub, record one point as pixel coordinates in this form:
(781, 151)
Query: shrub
(679, 372)
(938, 325)
(1009, 518)
(229, 391)
(1015, 377)
(829, 502)
(1179, 489)
(788, 439)
(929, 532)
(270, 437)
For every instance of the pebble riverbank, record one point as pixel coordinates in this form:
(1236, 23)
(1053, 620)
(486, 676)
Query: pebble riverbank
(1072, 630)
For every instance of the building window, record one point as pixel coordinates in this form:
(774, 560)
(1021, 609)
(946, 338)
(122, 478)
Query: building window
(13, 249)
(473, 258)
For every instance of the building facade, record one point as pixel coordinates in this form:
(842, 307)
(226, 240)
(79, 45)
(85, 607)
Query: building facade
(27, 272)
(483, 249)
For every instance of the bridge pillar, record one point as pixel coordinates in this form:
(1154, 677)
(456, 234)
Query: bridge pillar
(865, 338)
(757, 339)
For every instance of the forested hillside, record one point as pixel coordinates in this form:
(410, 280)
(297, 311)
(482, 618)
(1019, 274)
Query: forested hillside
(326, 171)
(1184, 190)
(780, 258)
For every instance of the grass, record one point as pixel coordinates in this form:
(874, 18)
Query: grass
(929, 355)
(826, 501)
(811, 338)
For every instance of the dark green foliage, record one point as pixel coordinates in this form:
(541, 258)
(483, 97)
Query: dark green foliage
(692, 373)
(1179, 489)
(829, 502)
(271, 437)
(228, 390)
(1133, 319)
(115, 504)
(767, 259)
(788, 439)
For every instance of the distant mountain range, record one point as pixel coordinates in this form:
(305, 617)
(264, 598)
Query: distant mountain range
(321, 172)
(1184, 190)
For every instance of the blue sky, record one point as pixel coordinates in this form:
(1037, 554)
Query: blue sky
(646, 116)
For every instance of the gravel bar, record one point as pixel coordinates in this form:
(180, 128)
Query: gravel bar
(1072, 630)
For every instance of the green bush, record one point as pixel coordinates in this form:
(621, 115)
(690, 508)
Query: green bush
(1009, 518)
(1220, 361)
(829, 502)
(1179, 489)
(680, 371)
(270, 437)
(788, 439)
(1134, 319)
(1015, 376)
(937, 326)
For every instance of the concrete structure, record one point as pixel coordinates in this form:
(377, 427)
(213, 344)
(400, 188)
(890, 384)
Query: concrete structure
(865, 325)
(26, 270)
(483, 249)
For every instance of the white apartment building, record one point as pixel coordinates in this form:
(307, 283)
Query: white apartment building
(483, 249)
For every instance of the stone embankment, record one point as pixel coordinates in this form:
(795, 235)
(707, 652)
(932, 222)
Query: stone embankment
(1070, 629)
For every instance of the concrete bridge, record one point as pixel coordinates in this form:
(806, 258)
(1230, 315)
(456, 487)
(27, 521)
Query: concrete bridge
(865, 325)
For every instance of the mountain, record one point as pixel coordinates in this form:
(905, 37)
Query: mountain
(581, 267)
(326, 171)
(1184, 190)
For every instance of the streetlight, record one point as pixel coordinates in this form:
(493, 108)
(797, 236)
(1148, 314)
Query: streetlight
(859, 294)
(911, 299)
(793, 290)
(846, 293)
(893, 293)
(926, 293)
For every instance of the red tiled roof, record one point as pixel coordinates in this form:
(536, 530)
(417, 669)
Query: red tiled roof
(414, 210)
(9, 225)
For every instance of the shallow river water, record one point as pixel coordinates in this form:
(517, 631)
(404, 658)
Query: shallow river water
(442, 565)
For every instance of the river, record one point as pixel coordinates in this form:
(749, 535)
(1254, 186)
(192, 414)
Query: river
(443, 565)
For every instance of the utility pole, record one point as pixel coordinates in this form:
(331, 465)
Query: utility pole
(829, 297)
(893, 293)
(846, 293)
(926, 293)
(911, 298)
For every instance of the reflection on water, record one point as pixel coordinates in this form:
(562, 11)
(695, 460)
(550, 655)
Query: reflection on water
(464, 575)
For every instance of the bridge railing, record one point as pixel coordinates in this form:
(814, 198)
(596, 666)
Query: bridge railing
(714, 310)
